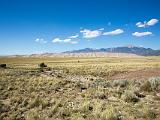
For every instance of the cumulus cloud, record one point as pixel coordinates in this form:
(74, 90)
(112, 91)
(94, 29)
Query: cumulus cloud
(68, 40)
(141, 34)
(140, 24)
(74, 36)
(115, 32)
(152, 22)
(41, 40)
(57, 40)
(149, 23)
(91, 33)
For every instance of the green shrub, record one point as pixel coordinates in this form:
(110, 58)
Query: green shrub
(120, 83)
(3, 65)
(155, 83)
(100, 83)
(151, 85)
(42, 65)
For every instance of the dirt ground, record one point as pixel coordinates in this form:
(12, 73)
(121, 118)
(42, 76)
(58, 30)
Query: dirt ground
(139, 75)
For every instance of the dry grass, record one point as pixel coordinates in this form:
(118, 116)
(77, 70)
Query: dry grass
(68, 90)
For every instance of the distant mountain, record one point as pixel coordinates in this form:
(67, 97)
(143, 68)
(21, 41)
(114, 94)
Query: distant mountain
(128, 49)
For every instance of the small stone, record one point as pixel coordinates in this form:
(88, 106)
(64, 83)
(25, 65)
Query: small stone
(158, 94)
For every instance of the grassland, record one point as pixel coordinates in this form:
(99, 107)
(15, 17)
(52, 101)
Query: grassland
(69, 88)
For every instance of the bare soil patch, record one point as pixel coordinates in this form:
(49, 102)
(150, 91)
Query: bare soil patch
(138, 75)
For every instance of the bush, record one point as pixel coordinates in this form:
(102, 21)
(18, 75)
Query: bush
(42, 65)
(3, 65)
(151, 85)
(146, 86)
(155, 83)
(129, 96)
(120, 83)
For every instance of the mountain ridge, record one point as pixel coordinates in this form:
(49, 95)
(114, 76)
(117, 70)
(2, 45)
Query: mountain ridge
(105, 52)
(128, 49)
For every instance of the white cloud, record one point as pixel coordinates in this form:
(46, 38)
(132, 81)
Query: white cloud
(37, 40)
(101, 29)
(68, 40)
(152, 22)
(91, 34)
(149, 23)
(73, 42)
(115, 32)
(141, 34)
(74, 36)
(41, 40)
(57, 40)
(140, 24)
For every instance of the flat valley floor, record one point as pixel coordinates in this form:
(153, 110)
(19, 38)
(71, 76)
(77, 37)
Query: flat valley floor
(86, 88)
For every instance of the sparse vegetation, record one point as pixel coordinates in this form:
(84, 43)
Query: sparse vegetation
(148, 113)
(93, 89)
(155, 83)
(120, 83)
(152, 84)
(130, 96)
(110, 114)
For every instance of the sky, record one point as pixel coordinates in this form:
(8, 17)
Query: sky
(40, 26)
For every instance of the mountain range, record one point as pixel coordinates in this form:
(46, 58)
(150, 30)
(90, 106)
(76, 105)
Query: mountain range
(128, 49)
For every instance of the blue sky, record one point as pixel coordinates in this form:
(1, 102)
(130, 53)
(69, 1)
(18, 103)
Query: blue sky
(38, 26)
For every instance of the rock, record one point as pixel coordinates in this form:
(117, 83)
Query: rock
(158, 94)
